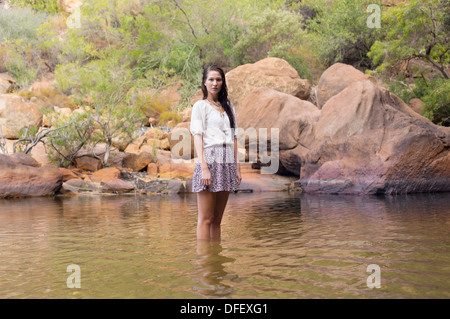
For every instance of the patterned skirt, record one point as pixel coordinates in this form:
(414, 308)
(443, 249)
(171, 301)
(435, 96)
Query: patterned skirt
(222, 166)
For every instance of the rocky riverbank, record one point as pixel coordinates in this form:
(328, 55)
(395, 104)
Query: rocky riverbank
(346, 135)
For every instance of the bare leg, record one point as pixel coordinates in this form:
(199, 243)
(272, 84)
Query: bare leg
(205, 202)
(219, 208)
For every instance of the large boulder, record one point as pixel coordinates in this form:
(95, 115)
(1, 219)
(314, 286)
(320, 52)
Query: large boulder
(369, 141)
(16, 114)
(271, 73)
(18, 180)
(266, 108)
(335, 79)
(137, 162)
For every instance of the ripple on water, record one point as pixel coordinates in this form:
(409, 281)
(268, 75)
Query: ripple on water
(274, 245)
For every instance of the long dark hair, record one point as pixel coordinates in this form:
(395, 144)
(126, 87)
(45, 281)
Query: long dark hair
(223, 94)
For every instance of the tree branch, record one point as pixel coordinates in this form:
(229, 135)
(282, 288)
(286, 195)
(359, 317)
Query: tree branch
(434, 63)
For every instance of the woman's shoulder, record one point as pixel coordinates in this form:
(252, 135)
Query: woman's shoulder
(200, 106)
(200, 103)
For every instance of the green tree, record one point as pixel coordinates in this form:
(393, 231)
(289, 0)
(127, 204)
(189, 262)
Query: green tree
(417, 30)
(275, 33)
(68, 135)
(339, 31)
(49, 6)
(108, 82)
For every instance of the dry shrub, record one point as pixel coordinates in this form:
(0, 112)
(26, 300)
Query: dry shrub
(49, 97)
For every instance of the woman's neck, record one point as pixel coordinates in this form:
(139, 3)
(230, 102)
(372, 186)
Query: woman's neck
(214, 98)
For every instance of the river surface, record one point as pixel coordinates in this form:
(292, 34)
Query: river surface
(274, 245)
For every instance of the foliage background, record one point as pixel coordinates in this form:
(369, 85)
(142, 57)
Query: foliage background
(148, 45)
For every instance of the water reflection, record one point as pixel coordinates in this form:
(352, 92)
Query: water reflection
(212, 270)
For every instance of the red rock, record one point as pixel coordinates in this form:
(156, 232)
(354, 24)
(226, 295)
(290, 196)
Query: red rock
(295, 118)
(137, 162)
(68, 174)
(18, 180)
(273, 73)
(105, 174)
(88, 163)
(369, 141)
(117, 185)
(24, 159)
(335, 79)
(17, 114)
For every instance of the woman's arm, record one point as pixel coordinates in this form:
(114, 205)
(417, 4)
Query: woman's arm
(198, 144)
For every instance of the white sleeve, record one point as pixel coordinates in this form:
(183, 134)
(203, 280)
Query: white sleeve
(197, 119)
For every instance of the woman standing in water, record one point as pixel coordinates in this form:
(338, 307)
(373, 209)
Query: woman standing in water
(217, 171)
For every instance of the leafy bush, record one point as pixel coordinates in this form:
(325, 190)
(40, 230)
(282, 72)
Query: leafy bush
(22, 68)
(417, 30)
(108, 83)
(434, 92)
(437, 102)
(70, 134)
(20, 23)
(270, 34)
(49, 6)
(18, 36)
(339, 31)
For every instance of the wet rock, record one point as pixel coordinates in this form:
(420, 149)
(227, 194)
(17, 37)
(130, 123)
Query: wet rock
(17, 180)
(176, 186)
(117, 186)
(79, 186)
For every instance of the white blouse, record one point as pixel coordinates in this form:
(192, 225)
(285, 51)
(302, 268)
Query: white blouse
(213, 125)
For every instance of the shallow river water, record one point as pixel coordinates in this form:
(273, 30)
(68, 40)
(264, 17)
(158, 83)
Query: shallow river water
(274, 245)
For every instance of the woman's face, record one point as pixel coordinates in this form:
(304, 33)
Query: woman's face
(213, 82)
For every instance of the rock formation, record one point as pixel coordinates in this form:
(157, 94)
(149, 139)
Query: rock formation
(368, 141)
(271, 73)
(18, 179)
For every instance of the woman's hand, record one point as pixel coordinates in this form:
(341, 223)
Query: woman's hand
(239, 176)
(206, 176)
